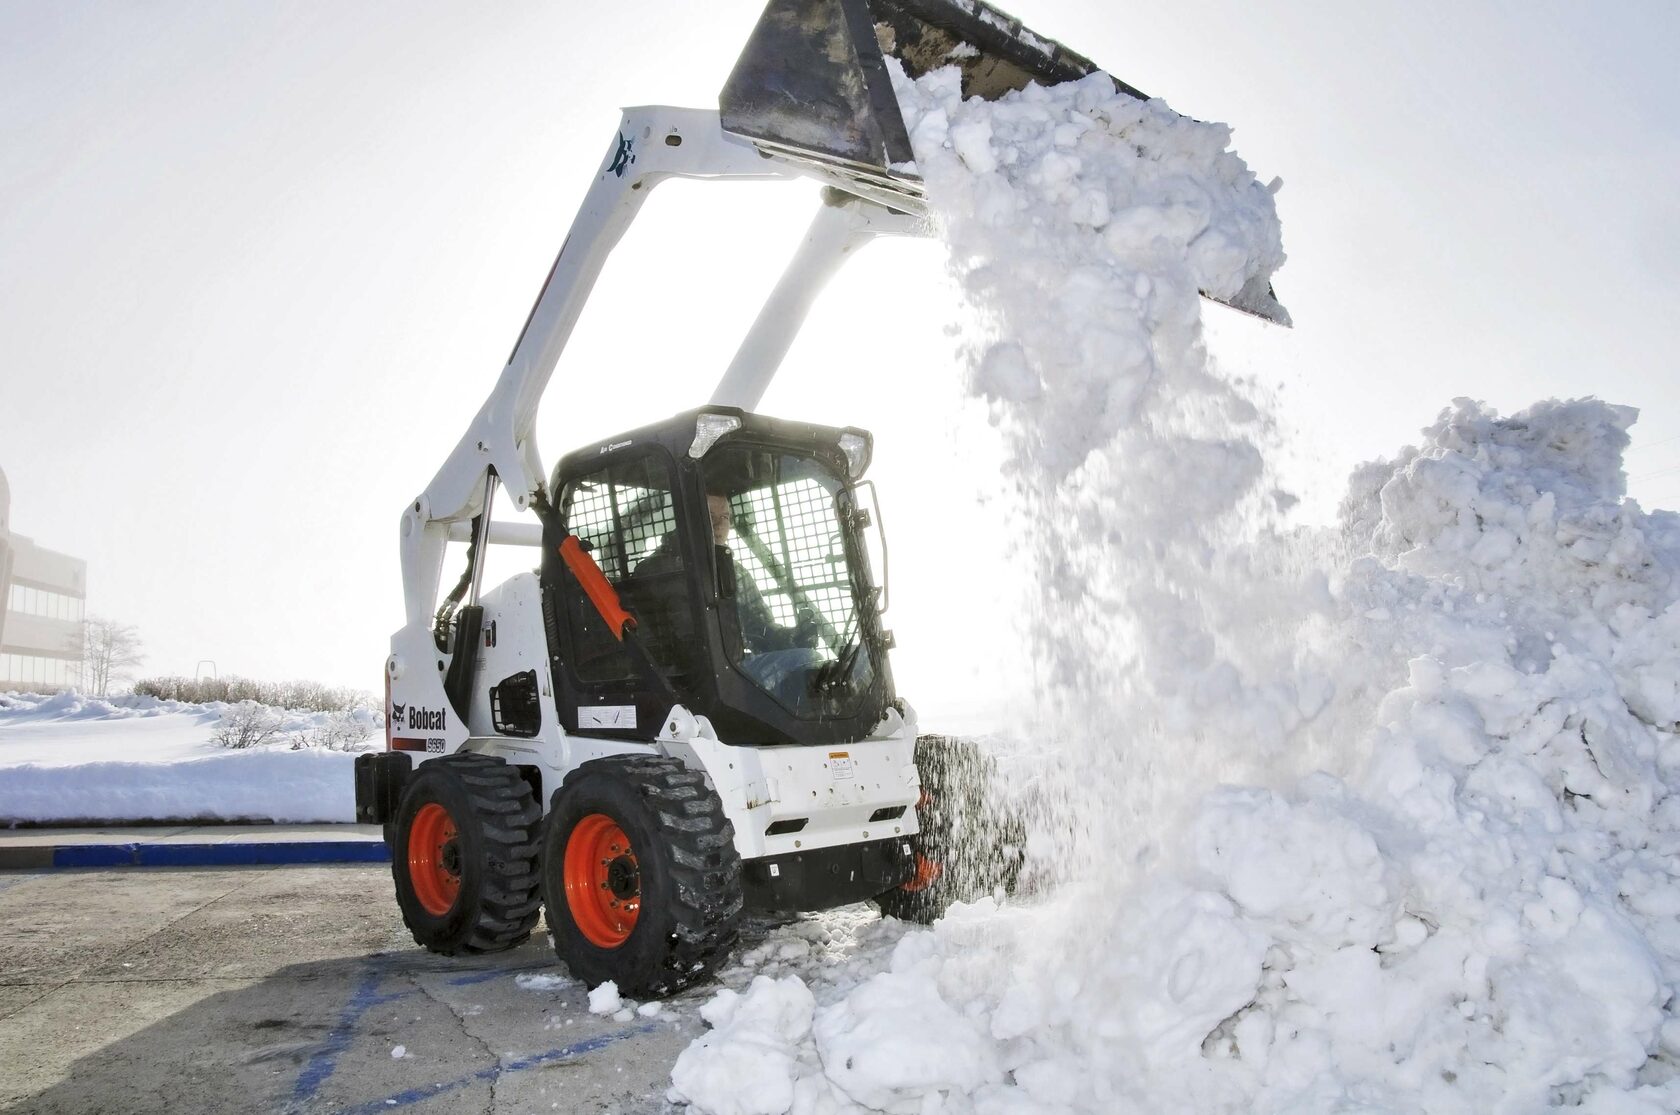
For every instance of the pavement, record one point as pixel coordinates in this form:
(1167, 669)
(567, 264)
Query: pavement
(295, 989)
(190, 846)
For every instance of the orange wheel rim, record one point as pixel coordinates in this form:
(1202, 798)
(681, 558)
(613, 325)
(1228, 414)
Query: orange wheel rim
(603, 881)
(434, 859)
(927, 874)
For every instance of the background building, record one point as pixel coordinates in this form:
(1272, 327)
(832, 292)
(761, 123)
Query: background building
(43, 600)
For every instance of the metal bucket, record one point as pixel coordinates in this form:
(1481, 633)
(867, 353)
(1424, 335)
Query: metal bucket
(812, 84)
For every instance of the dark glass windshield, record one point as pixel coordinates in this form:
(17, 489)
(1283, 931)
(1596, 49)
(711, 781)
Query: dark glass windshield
(793, 584)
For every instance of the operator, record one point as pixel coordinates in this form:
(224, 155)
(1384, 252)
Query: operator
(778, 658)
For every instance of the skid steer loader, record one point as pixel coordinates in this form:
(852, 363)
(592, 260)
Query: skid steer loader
(687, 707)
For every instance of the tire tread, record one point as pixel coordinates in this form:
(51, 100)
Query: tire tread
(509, 820)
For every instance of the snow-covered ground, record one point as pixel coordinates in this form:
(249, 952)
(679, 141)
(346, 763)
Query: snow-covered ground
(69, 758)
(1381, 819)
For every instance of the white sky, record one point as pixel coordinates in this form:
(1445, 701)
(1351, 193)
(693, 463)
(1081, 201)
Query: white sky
(260, 264)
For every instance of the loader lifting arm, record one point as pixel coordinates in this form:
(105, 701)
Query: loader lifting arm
(651, 145)
(810, 97)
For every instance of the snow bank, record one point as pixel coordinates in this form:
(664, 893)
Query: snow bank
(69, 758)
(25, 708)
(1452, 883)
(281, 786)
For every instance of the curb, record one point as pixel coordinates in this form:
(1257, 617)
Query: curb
(253, 854)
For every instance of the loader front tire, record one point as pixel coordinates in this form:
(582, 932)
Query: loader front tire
(970, 844)
(640, 875)
(463, 855)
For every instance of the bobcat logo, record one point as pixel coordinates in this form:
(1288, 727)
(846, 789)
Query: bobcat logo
(623, 157)
(396, 714)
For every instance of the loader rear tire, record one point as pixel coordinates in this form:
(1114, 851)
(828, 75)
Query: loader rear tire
(640, 875)
(970, 845)
(463, 855)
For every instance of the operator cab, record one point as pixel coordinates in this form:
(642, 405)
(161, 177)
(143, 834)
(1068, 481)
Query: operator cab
(737, 544)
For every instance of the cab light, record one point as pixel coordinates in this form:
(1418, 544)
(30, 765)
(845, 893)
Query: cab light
(708, 428)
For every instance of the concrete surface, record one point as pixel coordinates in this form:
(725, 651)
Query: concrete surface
(289, 989)
(189, 846)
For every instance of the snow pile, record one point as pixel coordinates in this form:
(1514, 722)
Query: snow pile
(26, 708)
(68, 758)
(1474, 906)
(749, 1063)
(1486, 918)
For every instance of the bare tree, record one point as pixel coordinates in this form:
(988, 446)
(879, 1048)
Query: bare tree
(110, 651)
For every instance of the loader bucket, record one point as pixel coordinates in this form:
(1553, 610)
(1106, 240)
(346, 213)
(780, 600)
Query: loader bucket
(813, 76)
(812, 84)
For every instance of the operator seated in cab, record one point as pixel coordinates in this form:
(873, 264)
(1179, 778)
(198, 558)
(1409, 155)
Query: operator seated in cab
(778, 658)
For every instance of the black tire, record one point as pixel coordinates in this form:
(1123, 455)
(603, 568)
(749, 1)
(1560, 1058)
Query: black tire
(971, 844)
(681, 861)
(493, 855)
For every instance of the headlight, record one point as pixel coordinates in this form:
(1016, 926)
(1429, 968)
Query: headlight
(857, 446)
(708, 428)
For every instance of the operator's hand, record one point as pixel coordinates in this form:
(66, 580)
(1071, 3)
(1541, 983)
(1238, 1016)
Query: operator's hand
(807, 629)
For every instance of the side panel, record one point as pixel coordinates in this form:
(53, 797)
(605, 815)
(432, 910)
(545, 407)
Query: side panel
(512, 642)
(421, 720)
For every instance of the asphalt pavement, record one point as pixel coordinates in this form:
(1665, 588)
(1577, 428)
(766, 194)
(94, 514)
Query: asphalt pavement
(294, 989)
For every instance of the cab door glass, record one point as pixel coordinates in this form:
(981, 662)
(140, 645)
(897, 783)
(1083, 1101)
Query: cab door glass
(792, 581)
(626, 518)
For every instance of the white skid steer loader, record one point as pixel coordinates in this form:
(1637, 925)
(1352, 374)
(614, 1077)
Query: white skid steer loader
(687, 708)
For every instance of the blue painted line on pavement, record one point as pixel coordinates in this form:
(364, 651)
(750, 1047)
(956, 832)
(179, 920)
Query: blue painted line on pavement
(518, 1064)
(253, 854)
(476, 977)
(324, 1063)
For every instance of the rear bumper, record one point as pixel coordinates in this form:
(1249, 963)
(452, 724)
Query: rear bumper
(827, 877)
(380, 778)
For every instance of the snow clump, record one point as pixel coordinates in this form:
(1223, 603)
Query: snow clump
(605, 999)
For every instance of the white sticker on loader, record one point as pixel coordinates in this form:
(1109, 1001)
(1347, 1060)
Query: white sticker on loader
(840, 765)
(606, 716)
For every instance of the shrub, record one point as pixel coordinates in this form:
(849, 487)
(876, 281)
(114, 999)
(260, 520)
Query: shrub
(246, 724)
(341, 731)
(311, 696)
